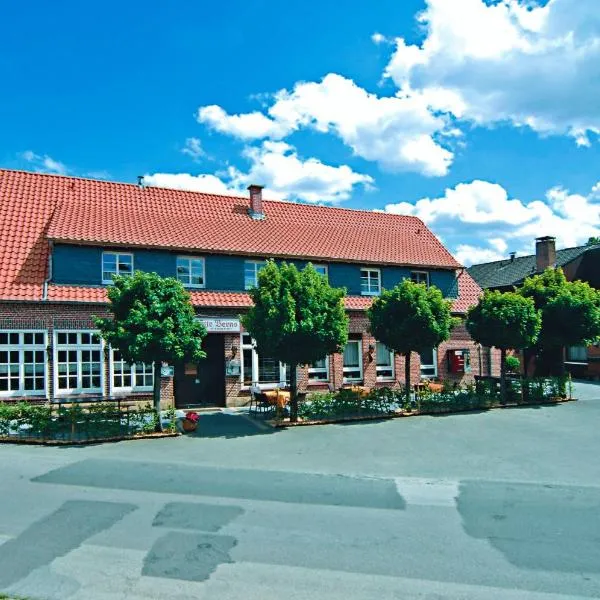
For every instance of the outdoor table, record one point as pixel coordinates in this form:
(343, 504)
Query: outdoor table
(277, 397)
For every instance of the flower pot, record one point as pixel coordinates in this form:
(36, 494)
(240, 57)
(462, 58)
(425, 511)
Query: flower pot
(188, 425)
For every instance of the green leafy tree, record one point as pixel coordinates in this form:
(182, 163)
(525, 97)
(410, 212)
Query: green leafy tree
(504, 320)
(411, 318)
(153, 321)
(593, 241)
(570, 315)
(297, 317)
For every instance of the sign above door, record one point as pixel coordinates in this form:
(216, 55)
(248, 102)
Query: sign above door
(221, 325)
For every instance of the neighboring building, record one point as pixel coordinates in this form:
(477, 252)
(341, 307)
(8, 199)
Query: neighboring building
(64, 238)
(579, 263)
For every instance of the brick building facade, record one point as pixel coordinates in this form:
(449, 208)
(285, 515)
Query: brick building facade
(66, 237)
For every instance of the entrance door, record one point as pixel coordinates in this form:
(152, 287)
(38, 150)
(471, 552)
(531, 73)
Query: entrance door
(203, 384)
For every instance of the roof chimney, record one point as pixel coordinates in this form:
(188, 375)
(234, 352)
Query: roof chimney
(256, 202)
(545, 252)
(512, 255)
(140, 179)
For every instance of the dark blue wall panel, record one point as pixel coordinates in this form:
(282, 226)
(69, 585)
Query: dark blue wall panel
(82, 265)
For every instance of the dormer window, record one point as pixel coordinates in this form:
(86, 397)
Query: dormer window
(420, 277)
(370, 282)
(190, 271)
(116, 263)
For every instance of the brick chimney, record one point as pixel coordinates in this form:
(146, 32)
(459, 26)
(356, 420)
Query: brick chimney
(256, 202)
(545, 252)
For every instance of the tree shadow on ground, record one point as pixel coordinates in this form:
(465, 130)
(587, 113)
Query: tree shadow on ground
(223, 425)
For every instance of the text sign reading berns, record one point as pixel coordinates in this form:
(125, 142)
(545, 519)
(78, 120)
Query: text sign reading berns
(217, 325)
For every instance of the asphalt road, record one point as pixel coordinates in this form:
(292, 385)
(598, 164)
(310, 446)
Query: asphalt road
(501, 504)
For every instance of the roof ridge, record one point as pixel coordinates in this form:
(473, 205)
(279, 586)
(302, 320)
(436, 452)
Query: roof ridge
(213, 194)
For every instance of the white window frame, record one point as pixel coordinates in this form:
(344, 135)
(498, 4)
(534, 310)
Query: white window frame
(77, 347)
(21, 347)
(117, 255)
(325, 269)
(370, 279)
(258, 264)
(360, 364)
(434, 365)
(263, 386)
(312, 371)
(380, 368)
(133, 368)
(189, 260)
(419, 277)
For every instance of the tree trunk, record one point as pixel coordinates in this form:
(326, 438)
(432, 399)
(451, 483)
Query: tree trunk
(156, 395)
(526, 359)
(407, 378)
(294, 393)
(503, 375)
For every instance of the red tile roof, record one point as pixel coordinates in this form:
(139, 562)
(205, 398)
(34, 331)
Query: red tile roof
(37, 207)
(101, 212)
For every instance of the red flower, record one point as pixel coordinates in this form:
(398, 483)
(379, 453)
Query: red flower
(192, 416)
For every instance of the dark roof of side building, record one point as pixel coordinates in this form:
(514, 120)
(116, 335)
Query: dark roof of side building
(507, 273)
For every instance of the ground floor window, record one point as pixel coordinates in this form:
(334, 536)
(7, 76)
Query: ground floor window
(353, 368)
(384, 362)
(125, 377)
(319, 370)
(22, 363)
(429, 361)
(261, 370)
(78, 362)
(577, 354)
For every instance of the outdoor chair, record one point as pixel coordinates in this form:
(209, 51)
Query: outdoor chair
(259, 402)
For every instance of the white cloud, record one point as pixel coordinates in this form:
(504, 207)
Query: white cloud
(193, 148)
(248, 126)
(484, 210)
(399, 132)
(277, 166)
(378, 38)
(209, 184)
(509, 61)
(44, 163)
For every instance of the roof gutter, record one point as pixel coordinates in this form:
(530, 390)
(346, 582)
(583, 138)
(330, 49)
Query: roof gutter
(49, 276)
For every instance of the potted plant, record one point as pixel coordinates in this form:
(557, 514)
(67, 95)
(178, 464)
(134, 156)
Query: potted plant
(190, 422)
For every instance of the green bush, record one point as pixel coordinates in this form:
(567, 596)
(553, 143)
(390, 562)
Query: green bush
(513, 364)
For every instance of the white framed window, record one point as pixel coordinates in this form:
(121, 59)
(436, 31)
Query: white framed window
(370, 282)
(322, 270)
(190, 271)
(130, 378)
(23, 364)
(261, 370)
(577, 354)
(116, 263)
(78, 362)
(319, 370)
(384, 362)
(353, 367)
(420, 277)
(251, 269)
(429, 364)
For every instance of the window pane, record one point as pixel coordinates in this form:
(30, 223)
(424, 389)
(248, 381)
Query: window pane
(248, 366)
(351, 355)
(3, 339)
(577, 353)
(28, 338)
(384, 357)
(14, 339)
(268, 370)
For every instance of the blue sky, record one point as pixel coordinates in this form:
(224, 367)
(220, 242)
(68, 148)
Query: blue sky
(479, 116)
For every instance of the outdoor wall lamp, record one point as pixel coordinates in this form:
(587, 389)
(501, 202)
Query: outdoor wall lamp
(234, 351)
(370, 353)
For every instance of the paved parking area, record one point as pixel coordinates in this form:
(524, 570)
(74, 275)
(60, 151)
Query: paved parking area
(499, 504)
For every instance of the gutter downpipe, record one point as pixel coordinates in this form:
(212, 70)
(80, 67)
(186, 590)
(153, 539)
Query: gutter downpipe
(49, 276)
